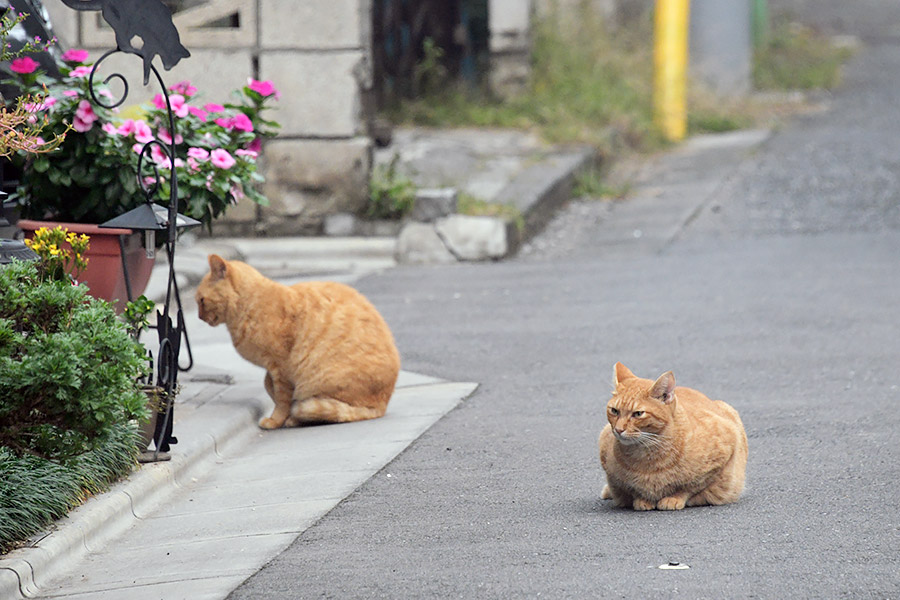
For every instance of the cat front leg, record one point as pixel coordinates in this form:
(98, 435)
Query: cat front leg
(282, 395)
(270, 387)
(641, 504)
(620, 499)
(673, 502)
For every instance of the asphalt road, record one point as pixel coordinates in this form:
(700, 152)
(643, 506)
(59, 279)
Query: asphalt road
(781, 298)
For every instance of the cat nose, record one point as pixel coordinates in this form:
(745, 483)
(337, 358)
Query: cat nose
(620, 431)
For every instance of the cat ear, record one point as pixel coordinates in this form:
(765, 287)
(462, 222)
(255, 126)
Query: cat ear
(217, 267)
(622, 373)
(664, 388)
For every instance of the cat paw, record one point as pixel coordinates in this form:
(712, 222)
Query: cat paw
(292, 422)
(605, 494)
(641, 504)
(670, 503)
(269, 423)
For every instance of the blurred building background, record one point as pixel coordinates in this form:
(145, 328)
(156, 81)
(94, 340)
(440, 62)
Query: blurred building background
(335, 62)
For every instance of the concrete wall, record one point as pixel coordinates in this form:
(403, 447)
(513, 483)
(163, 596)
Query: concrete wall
(317, 53)
(509, 22)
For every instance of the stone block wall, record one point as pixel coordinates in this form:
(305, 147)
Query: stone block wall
(319, 55)
(509, 22)
(316, 52)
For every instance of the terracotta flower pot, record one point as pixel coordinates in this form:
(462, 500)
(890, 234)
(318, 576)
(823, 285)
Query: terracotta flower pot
(104, 275)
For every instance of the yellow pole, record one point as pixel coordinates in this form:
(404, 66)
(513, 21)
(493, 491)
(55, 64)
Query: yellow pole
(670, 60)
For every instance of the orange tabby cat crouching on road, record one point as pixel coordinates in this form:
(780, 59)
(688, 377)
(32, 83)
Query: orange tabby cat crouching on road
(329, 356)
(668, 447)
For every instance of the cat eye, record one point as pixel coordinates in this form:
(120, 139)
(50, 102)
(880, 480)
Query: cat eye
(637, 414)
(614, 411)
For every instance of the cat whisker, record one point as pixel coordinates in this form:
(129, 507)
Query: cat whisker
(652, 440)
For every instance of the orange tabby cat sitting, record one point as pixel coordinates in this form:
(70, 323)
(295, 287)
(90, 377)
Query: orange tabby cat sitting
(328, 354)
(668, 447)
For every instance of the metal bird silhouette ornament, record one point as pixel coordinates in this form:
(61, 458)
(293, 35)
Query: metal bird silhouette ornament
(149, 20)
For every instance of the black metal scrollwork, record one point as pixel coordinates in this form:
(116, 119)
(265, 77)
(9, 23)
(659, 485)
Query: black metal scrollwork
(152, 22)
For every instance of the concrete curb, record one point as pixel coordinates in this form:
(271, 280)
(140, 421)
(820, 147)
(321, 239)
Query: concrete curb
(211, 427)
(544, 187)
(537, 192)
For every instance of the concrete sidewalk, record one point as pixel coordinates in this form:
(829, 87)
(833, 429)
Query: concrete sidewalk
(232, 498)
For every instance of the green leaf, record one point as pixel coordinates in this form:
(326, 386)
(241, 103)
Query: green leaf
(41, 164)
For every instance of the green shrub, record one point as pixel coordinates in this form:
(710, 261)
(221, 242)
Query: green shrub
(69, 367)
(391, 194)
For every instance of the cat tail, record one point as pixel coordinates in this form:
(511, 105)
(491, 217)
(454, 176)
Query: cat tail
(329, 410)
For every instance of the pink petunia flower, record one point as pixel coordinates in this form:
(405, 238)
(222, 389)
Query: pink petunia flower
(225, 123)
(126, 128)
(165, 138)
(193, 164)
(237, 194)
(247, 153)
(74, 55)
(82, 71)
(84, 117)
(159, 156)
(159, 101)
(179, 106)
(221, 159)
(142, 132)
(110, 129)
(80, 125)
(185, 88)
(263, 88)
(70, 93)
(200, 154)
(255, 145)
(23, 65)
(213, 108)
(242, 122)
(198, 112)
